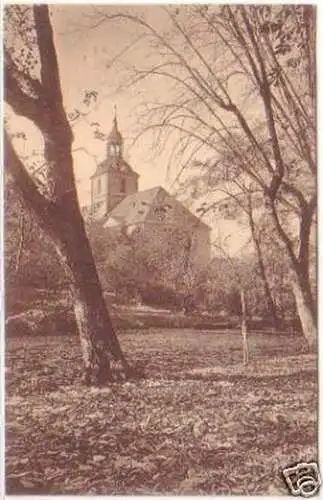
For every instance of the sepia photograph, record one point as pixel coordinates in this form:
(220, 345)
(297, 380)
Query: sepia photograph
(160, 249)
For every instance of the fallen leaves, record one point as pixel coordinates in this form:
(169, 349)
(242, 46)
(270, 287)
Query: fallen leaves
(199, 423)
(98, 458)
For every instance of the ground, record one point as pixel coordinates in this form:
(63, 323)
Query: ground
(199, 422)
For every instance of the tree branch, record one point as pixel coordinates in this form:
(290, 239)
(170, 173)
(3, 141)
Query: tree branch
(49, 70)
(31, 195)
(265, 92)
(21, 103)
(304, 233)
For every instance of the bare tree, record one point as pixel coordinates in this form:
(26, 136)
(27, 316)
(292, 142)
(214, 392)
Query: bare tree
(237, 200)
(242, 80)
(33, 91)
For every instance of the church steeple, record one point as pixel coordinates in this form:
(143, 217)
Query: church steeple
(115, 140)
(113, 179)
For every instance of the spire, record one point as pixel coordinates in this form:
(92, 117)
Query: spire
(115, 140)
(115, 122)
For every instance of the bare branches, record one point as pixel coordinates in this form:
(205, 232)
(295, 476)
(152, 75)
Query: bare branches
(265, 92)
(84, 150)
(31, 195)
(217, 98)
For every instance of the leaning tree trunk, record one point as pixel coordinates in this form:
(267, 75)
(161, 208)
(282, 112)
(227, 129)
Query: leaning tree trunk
(299, 268)
(305, 308)
(300, 278)
(98, 340)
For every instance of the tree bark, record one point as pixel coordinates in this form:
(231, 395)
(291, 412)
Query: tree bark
(270, 302)
(21, 240)
(299, 270)
(304, 307)
(244, 328)
(98, 340)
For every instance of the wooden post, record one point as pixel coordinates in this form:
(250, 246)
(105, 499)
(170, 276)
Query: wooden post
(244, 329)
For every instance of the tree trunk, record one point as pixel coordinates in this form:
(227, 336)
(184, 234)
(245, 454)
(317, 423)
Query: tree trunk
(244, 329)
(299, 269)
(98, 340)
(270, 302)
(21, 240)
(269, 299)
(306, 313)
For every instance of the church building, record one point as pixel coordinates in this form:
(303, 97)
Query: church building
(113, 179)
(117, 203)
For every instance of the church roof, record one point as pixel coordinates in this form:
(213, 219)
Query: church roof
(136, 208)
(115, 136)
(114, 163)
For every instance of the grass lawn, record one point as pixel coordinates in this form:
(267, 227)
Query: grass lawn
(200, 422)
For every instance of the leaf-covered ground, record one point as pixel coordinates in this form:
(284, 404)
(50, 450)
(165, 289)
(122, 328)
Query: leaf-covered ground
(199, 422)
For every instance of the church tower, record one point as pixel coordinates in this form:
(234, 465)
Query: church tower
(113, 179)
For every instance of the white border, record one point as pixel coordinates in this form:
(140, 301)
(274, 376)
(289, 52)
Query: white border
(319, 251)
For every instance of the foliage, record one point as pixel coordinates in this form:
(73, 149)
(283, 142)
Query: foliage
(224, 280)
(158, 277)
(153, 270)
(30, 258)
(152, 281)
